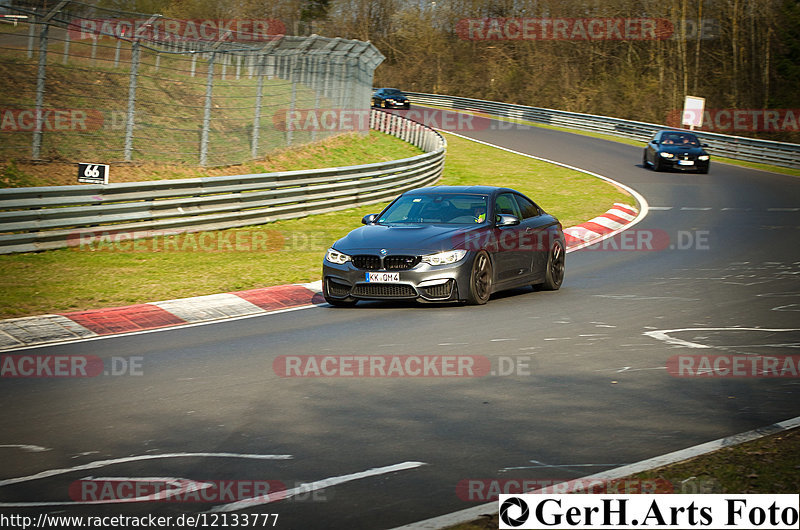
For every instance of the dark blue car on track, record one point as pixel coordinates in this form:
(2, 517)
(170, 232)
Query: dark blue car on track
(390, 98)
(676, 150)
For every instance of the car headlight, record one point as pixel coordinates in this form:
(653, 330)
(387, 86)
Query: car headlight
(703, 157)
(334, 256)
(444, 258)
(666, 155)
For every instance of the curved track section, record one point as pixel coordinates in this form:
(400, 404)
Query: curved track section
(578, 380)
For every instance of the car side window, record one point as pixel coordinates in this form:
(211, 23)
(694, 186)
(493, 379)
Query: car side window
(527, 208)
(505, 204)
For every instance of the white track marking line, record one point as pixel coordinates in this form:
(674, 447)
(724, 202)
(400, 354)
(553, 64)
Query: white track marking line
(102, 463)
(313, 486)
(664, 335)
(28, 448)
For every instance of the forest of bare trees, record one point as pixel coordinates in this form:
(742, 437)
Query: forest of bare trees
(738, 54)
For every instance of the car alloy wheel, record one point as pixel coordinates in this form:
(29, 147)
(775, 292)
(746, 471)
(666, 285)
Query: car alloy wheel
(554, 275)
(480, 280)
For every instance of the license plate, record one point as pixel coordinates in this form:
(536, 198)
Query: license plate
(685, 162)
(383, 277)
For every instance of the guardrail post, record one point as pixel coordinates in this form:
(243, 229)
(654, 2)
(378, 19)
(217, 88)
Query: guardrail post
(207, 111)
(129, 119)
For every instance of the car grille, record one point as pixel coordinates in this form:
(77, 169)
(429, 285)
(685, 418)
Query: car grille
(337, 289)
(384, 290)
(438, 291)
(400, 263)
(368, 262)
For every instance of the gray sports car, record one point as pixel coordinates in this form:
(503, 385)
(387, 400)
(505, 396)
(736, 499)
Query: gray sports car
(446, 244)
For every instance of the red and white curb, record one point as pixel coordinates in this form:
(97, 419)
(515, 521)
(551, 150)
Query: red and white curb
(82, 325)
(600, 227)
(44, 329)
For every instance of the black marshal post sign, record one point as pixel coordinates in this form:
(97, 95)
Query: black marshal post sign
(93, 173)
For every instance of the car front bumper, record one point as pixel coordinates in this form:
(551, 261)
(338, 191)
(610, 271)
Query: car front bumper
(682, 165)
(428, 283)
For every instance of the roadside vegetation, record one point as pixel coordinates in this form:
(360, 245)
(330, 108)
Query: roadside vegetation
(735, 54)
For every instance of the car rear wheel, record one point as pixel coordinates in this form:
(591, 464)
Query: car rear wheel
(480, 280)
(554, 275)
(644, 159)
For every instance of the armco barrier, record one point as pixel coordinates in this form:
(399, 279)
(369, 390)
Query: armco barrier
(45, 218)
(736, 147)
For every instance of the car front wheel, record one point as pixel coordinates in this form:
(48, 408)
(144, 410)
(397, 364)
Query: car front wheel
(480, 280)
(657, 162)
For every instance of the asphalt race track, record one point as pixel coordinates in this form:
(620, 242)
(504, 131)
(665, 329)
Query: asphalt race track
(716, 272)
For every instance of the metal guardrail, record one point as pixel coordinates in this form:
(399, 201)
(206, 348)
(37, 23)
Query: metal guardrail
(736, 147)
(43, 218)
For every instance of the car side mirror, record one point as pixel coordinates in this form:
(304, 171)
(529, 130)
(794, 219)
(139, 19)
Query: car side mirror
(369, 219)
(703, 145)
(505, 219)
(654, 142)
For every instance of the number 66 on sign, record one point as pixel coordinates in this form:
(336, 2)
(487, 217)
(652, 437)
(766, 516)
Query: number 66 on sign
(93, 173)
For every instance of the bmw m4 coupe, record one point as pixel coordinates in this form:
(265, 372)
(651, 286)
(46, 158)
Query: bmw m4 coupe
(447, 244)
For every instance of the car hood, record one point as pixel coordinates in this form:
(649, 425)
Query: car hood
(404, 239)
(679, 150)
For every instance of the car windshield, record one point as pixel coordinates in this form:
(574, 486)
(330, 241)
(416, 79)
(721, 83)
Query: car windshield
(680, 139)
(392, 92)
(456, 209)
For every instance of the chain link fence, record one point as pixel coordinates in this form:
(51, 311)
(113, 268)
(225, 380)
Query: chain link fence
(80, 83)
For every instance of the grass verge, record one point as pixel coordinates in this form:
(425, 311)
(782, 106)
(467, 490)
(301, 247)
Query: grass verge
(768, 465)
(99, 275)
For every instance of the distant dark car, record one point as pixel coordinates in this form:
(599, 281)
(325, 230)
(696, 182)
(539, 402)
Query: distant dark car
(676, 150)
(390, 98)
(447, 244)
